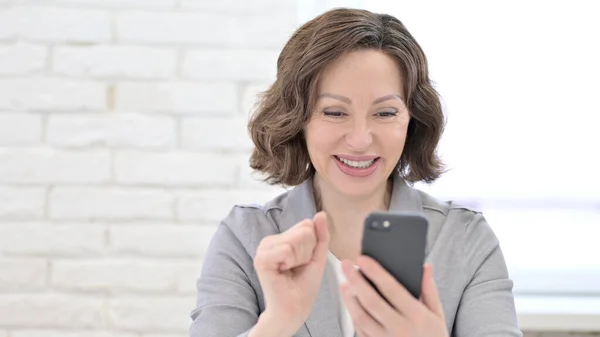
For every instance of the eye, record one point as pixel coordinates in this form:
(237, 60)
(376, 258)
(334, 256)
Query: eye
(390, 113)
(334, 114)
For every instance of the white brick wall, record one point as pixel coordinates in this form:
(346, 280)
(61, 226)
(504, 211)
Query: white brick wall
(110, 203)
(118, 275)
(54, 24)
(20, 129)
(233, 64)
(51, 310)
(175, 168)
(50, 166)
(150, 313)
(106, 61)
(119, 130)
(65, 333)
(200, 98)
(52, 94)
(21, 273)
(197, 133)
(22, 59)
(44, 239)
(22, 203)
(168, 239)
(123, 142)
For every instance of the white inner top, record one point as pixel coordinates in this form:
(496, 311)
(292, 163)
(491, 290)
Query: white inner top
(343, 315)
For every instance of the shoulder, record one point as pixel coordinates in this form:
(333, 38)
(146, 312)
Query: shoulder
(250, 223)
(448, 212)
(459, 227)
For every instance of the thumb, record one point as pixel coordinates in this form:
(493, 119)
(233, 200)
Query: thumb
(322, 232)
(430, 295)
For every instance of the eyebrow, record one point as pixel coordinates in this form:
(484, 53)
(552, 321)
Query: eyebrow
(348, 101)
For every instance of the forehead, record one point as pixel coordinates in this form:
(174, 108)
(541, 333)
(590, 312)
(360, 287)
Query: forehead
(362, 72)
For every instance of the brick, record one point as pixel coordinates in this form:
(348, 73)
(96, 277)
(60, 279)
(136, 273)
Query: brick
(110, 203)
(239, 6)
(68, 333)
(250, 96)
(212, 205)
(20, 129)
(22, 203)
(230, 64)
(22, 59)
(43, 165)
(173, 169)
(56, 240)
(20, 274)
(263, 30)
(145, 314)
(178, 97)
(50, 311)
(115, 62)
(48, 24)
(115, 4)
(8, 23)
(123, 274)
(160, 240)
(176, 28)
(268, 28)
(216, 133)
(112, 130)
(51, 94)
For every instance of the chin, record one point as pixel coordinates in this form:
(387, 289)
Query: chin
(359, 187)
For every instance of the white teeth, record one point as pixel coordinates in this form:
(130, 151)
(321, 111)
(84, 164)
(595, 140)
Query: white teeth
(357, 164)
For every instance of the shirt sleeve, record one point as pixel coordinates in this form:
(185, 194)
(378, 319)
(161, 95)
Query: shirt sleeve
(226, 304)
(487, 305)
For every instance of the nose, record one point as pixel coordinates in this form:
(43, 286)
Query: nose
(359, 137)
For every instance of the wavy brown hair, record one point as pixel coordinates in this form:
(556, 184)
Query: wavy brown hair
(276, 127)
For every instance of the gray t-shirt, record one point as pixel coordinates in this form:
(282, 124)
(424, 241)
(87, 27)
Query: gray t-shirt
(470, 270)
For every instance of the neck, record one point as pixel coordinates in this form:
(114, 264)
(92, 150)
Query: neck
(346, 214)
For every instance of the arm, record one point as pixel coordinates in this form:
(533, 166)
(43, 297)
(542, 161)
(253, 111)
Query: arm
(487, 305)
(226, 305)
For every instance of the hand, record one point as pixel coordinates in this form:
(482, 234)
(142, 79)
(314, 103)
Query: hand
(406, 316)
(290, 268)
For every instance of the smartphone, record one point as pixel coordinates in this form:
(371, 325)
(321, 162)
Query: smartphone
(397, 240)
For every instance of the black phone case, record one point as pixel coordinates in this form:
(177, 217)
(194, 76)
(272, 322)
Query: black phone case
(399, 247)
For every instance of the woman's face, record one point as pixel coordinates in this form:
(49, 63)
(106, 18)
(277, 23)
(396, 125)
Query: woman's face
(358, 127)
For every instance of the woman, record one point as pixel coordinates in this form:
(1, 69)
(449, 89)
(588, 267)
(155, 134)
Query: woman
(351, 121)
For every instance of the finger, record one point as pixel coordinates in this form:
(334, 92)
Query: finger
(277, 258)
(303, 240)
(344, 287)
(367, 296)
(271, 241)
(390, 288)
(363, 321)
(360, 332)
(322, 234)
(430, 295)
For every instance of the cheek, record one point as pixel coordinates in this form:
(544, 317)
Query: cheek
(395, 132)
(396, 135)
(321, 136)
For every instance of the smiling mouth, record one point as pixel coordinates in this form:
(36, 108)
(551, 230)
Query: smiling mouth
(360, 164)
